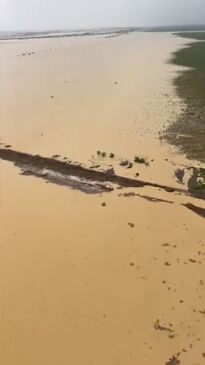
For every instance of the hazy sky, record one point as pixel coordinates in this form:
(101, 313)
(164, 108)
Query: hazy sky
(68, 14)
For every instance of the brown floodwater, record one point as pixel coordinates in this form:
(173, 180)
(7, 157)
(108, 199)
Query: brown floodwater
(83, 283)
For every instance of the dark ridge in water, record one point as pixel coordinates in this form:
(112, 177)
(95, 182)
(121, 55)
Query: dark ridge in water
(63, 173)
(195, 209)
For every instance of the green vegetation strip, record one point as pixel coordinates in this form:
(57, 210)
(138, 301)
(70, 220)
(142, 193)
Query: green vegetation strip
(188, 131)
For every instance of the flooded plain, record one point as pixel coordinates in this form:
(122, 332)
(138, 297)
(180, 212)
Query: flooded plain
(110, 278)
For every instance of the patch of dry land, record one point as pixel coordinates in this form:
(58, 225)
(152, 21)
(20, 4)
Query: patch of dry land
(102, 223)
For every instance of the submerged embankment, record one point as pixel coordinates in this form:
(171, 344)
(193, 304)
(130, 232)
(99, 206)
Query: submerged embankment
(76, 176)
(92, 181)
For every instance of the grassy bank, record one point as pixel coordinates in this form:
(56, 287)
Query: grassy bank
(188, 132)
(178, 28)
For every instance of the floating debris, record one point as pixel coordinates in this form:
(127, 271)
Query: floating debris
(158, 326)
(131, 225)
(174, 360)
(179, 173)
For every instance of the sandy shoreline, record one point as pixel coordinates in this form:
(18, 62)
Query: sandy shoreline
(83, 281)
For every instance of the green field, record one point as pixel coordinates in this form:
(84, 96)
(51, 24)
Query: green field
(177, 28)
(188, 131)
(199, 36)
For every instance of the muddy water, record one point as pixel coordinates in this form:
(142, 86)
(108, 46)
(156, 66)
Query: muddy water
(79, 284)
(67, 92)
